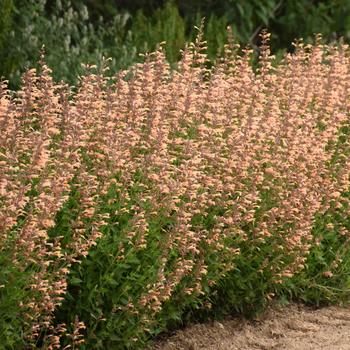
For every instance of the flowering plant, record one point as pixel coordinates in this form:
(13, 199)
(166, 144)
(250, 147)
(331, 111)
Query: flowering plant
(140, 197)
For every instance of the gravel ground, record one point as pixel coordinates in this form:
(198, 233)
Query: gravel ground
(294, 327)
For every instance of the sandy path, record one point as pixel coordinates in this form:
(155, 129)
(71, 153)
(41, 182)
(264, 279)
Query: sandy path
(293, 327)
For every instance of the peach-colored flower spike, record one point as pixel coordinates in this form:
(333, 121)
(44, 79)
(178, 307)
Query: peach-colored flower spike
(224, 137)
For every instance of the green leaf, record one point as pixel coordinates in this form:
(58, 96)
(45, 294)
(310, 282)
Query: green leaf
(75, 281)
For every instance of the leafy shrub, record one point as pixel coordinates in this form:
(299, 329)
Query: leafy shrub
(6, 24)
(137, 199)
(82, 32)
(69, 37)
(165, 25)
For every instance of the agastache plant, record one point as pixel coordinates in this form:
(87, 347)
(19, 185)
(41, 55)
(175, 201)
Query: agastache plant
(254, 151)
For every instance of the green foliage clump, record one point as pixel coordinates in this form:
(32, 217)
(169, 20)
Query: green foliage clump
(6, 33)
(166, 24)
(68, 37)
(79, 32)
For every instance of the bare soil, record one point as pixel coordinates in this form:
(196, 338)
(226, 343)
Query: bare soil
(294, 327)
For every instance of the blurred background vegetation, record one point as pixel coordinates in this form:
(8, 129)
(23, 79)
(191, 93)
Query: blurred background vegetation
(75, 32)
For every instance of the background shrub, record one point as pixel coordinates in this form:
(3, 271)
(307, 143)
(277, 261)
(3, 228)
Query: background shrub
(68, 36)
(82, 32)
